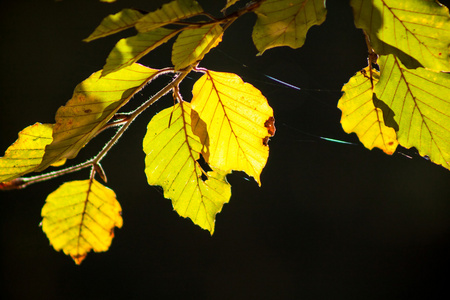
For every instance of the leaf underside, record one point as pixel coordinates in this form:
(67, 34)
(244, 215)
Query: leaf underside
(172, 154)
(361, 115)
(80, 216)
(419, 102)
(94, 103)
(420, 29)
(286, 22)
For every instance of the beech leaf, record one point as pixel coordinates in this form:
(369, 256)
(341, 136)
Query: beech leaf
(420, 29)
(112, 24)
(129, 50)
(93, 104)
(238, 120)
(172, 162)
(193, 44)
(286, 22)
(26, 153)
(169, 13)
(80, 216)
(361, 115)
(419, 102)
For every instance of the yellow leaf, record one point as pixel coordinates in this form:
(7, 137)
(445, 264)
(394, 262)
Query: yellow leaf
(169, 13)
(193, 44)
(122, 20)
(420, 106)
(420, 29)
(229, 3)
(93, 104)
(239, 122)
(361, 115)
(172, 154)
(26, 153)
(286, 22)
(129, 50)
(80, 216)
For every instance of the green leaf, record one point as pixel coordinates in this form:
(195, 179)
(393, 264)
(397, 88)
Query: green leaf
(238, 120)
(193, 44)
(420, 29)
(169, 13)
(26, 153)
(129, 50)
(80, 216)
(286, 22)
(112, 24)
(172, 153)
(420, 105)
(93, 104)
(361, 114)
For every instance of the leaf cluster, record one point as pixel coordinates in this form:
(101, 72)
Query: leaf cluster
(400, 98)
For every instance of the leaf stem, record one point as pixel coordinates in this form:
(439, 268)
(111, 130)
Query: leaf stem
(95, 162)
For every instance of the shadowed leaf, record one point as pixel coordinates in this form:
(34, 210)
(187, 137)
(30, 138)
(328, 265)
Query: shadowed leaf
(361, 116)
(93, 104)
(286, 22)
(239, 122)
(420, 29)
(112, 24)
(169, 13)
(420, 104)
(193, 44)
(172, 154)
(129, 50)
(26, 153)
(80, 216)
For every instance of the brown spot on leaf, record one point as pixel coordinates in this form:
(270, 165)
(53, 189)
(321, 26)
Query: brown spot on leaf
(87, 111)
(270, 125)
(266, 141)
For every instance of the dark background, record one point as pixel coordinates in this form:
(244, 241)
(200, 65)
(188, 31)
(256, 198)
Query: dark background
(331, 221)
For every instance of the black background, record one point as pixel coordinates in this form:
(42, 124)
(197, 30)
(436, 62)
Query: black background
(331, 221)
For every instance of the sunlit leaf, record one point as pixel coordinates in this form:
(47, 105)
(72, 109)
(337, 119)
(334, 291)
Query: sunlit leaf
(26, 153)
(108, 1)
(169, 13)
(172, 154)
(417, 28)
(361, 115)
(229, 3)
(239, 122)
(420, 104)
(129, 50)
(193, 44)
(93, 104)
(124, 19)
(80, 216)
(286, 22)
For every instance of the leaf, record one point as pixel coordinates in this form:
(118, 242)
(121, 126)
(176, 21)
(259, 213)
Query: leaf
(169, 13)
(112, 24)
(93, 104)
(286, 22)
(193, 44)
(80, 216)
(239, 122)
(129, 50)
(26, 153)
(420, 104)
(361, 115)
(229, 3)
(172, 154)
(420, 29)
